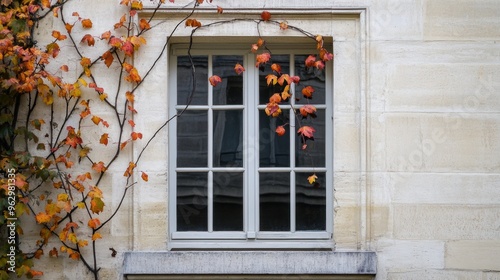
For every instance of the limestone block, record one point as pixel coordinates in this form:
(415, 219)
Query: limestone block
(442, 142)
(346, 153)
(396, 20)
(436, 188)
(473, 255)
(398, 256)
(432, 274)
(346, 230)
(446, 222)
(462, 20)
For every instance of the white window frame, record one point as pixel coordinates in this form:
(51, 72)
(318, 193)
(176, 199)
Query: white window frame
(250, 237)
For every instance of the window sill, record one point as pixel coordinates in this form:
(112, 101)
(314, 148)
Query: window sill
(249, 265)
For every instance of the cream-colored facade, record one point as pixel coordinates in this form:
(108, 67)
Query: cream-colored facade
(416, 150)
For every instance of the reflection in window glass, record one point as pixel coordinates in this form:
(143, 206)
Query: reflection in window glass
(274, 149)
(192, 208)
(314, 155)
(274, 200)
(228, 201)
(192, 139)
(266, 91)
(185, 80)
(228, 138)
(309, 76)
(230, 90)
(310, 202)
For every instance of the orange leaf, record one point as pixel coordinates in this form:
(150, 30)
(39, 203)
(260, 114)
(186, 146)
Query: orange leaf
(325, 55)
(120, 24)
(38, 253)
(68, 27)
(275, 98)
(64, 68)
(306, 131)
(273, 109)
(271, 78)
(106, 35)
(58, 35)
(319, 40)
(115, 42)
(286, 94)
(307, 92)
(86, 23)
(89, 39)
(214, 80)
(129, 170)
(238, 68)
(144, 176)
(122, 145)
(144, 24)
(220, 10)
(96, 236)
(99, 167)
(193, 23)
(265, 15)
(136, 135)
(94, 223)
(53, 252)
(130, 97)
(280, 130)
(96, 120)
(131, 122)
(283, 25)
(42, 218)
(75, 256)
(108, 58)
(284, 78)
(276, 67)
(310, 60)
(104, 139)
(262, 59)
(307, 110)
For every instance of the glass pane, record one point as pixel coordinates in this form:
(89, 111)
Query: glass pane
(274, 150)
(228, 201)
(310, 202)
(230, 90)
(185, 80)
(228, 138)
(309, 76)
(192, 139)
(314, 154)
(274, 194)
(192, 211)
(266, 91)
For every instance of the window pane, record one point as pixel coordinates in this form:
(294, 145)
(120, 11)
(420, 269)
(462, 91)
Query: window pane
(185, 80)
(274, 149)
(228, 138)
(192, 211)
(266, 91)
(230, 90)
(192, 139)
(310, 202)
(274, 212)
(314, 155)
(228, 201)
(309, 76)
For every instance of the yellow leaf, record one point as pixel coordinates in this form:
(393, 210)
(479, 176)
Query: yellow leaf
(72, 238)
(83, 243)
(103, 96)
(42, 218)
(312, 179)
(80, 205)
(62, 197)
(96, 236)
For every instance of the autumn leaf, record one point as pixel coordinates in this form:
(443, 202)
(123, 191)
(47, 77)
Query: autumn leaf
(262, 59)
(106, 35)
(58, 35)
(193, 23)
(306, 131)
(319, 40)
(96, 120)
(108, 58)
(104, 139)
(308, 110)
(276, 67)
(319, 65)
(214, 80)
(136, 135)
(86, 23)
(96, 205)
(131, 123)
(128, 48)
(284, 78)
(275, 98)
(115, 42)
(325, 55)
(144, 24)
(271, 79)
(136, 5)
(280, 130)
(99, 167)
(96, 236)
(94, 223)
(130, 97)
(64, 68)
(307, 92)
(310, 60)
(144, 176)
(129, 170)
(220, 10)
(311, 179)
(285, 94)
(265, 16)
(54, 253)
(238, 68)
(283, 25)
(42, 218)
(272, 109)
(123, 144)
(68, 27)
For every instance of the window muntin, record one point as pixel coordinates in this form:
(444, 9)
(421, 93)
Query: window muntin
(253, 182)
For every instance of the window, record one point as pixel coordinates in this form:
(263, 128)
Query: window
(233, 181)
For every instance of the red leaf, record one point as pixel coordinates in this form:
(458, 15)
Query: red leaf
(104, 139)
(193, 23)
(262, 59)
(214, 80)
(306, 131)
(144, 176)
(89, 39)
(136, 135)
(108, 58)
(307, 110)
(220, 10)
(310, 60)
(280, 130)
(307, 92)
(265, 15)
(238, 68)
(99, 167)
(144, 24)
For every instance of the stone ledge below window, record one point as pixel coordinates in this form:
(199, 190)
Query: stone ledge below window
(249, 265)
